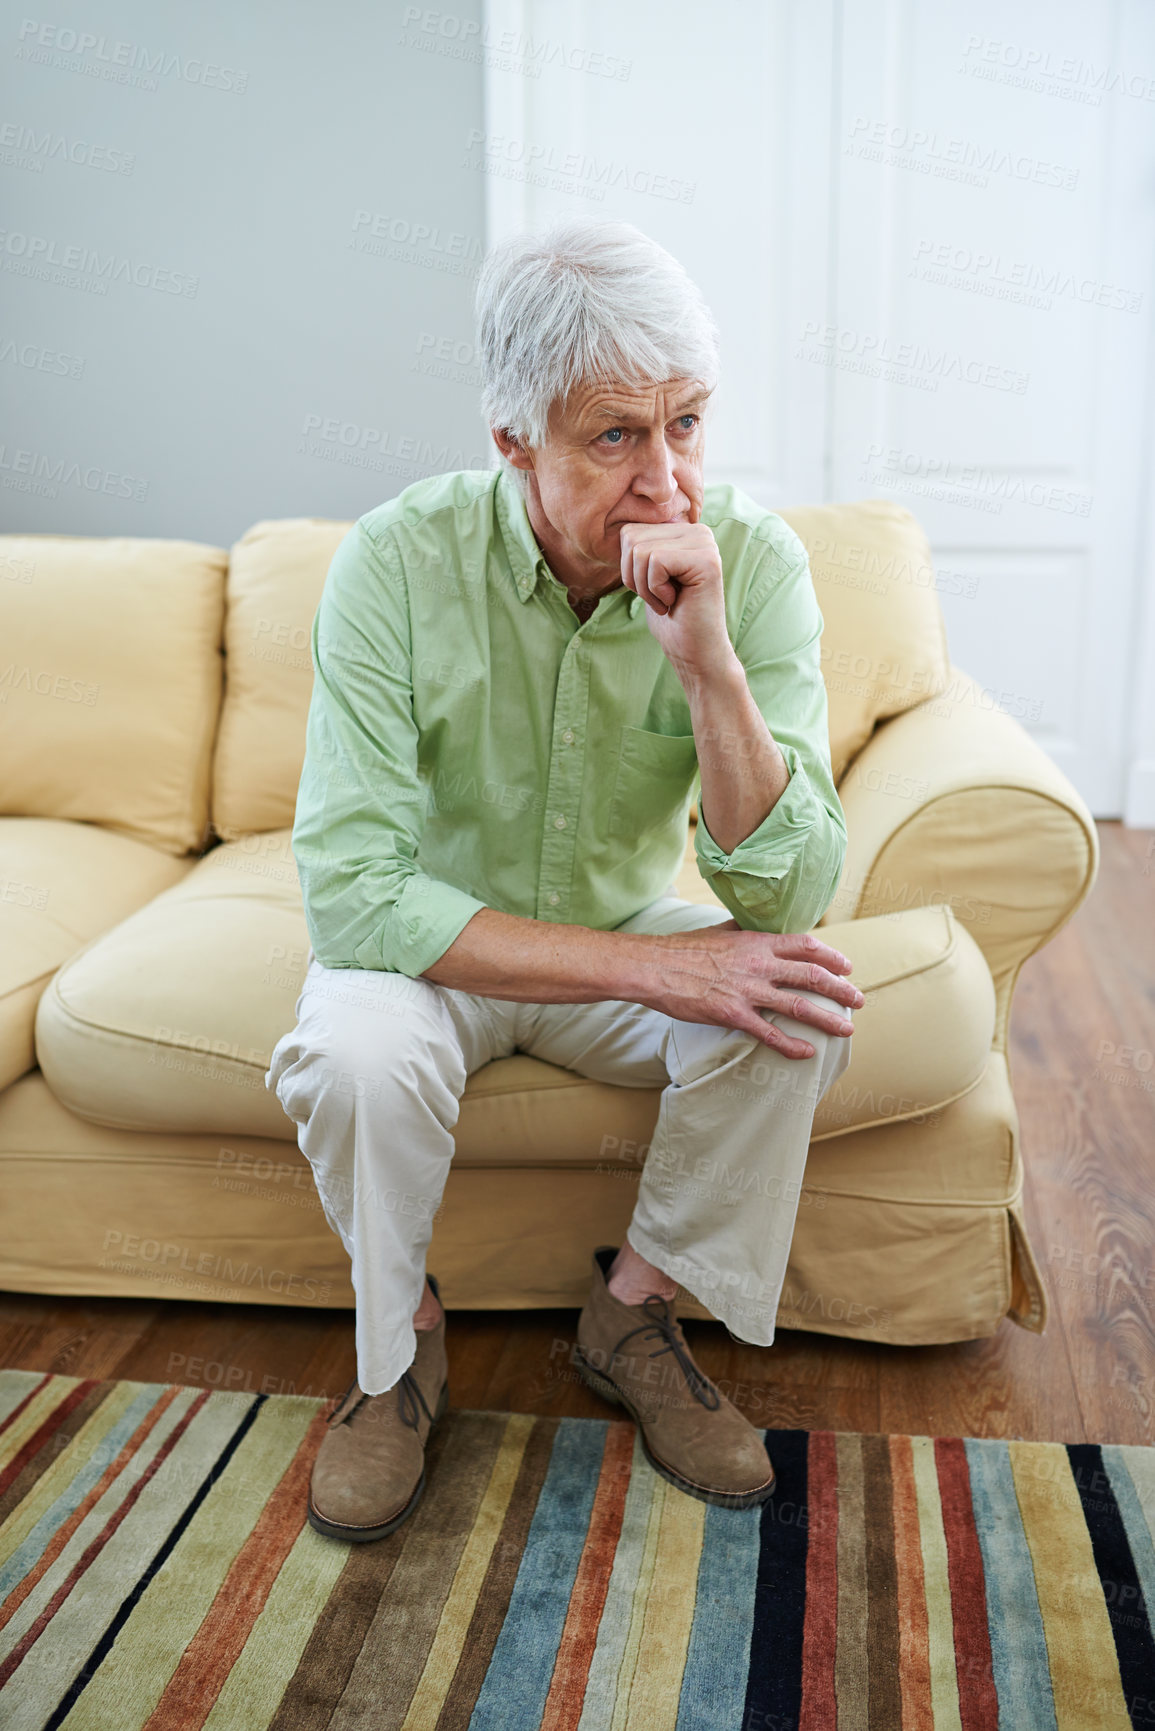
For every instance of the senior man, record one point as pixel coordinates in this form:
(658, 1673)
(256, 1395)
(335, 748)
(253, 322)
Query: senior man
(522, 676)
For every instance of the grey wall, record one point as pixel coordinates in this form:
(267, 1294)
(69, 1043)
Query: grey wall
(197, 328)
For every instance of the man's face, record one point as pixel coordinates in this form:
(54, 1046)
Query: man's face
(617, 454)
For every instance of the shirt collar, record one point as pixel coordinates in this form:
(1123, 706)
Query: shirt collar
(526, 559)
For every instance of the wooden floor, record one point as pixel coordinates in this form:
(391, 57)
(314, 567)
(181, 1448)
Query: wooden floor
(1083, 1054)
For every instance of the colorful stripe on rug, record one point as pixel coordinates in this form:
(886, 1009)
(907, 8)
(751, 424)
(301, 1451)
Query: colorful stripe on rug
(157, 1574)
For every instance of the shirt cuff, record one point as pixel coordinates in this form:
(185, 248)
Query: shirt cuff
(425, 919)
(772, 848)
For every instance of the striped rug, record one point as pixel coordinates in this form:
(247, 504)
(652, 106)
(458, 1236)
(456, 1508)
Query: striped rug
(156, 1571)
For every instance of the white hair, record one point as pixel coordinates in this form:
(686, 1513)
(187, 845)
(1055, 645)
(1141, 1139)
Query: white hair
(588, 301)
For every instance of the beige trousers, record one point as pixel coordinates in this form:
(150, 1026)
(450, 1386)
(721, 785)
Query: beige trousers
(374, 1071)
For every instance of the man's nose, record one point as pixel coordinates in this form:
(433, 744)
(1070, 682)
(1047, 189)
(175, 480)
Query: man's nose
(654, 475)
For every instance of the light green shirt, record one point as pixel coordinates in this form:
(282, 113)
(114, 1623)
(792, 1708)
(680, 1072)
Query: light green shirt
(470, 744)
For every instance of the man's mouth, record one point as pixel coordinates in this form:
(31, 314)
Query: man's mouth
(650, 522)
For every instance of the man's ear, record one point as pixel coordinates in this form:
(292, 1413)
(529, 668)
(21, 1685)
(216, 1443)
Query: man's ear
(511, 448)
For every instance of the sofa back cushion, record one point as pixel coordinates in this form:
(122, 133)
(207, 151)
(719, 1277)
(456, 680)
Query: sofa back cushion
(883, 641)
(276, 573)
(110, 682)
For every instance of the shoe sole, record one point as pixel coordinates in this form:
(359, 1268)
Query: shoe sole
(365, 1535)
(602, 1385)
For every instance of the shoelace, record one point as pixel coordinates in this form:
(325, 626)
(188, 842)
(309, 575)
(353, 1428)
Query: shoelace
(410, 1402)
(663, 1326)
(409, 1394)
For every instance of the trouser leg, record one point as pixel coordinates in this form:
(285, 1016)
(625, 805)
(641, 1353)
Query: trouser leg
(372, 1075)
(719, 1191)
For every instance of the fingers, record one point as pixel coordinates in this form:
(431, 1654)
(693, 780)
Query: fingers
(649, 580)
(805, 947)
(811, 977)
(799, 1009)
(771, 1035)
(654, 555)
(633, 579)
(804, 1010)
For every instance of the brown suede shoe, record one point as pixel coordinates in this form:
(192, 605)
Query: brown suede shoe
(690, 1432)
(369, 1474)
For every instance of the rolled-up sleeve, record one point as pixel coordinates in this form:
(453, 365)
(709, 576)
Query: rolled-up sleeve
(360, 803)
(783, 876)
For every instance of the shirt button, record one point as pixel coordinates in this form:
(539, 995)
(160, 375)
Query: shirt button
(559, 823)
(568, 736)
(554, 898)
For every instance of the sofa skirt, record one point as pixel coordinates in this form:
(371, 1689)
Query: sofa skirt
(910, 1233)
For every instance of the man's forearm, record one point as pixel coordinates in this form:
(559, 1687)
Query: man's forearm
(537, 962)
(744, 774)
(713, 974)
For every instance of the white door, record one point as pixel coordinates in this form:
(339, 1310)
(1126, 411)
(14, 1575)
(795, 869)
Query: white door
(927, 233)
(988, 344)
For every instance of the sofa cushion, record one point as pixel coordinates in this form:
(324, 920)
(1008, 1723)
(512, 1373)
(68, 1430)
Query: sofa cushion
(883, 640)
(921, 1040)
(60, 885)
(110, 683)
(276, 573)
(168, 1022)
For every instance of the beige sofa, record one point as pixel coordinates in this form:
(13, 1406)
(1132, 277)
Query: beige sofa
(153, 696)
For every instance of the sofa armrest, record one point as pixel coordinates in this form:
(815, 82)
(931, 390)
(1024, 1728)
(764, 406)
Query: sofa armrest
(953, 802)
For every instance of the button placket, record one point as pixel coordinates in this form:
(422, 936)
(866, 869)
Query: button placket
(563, 790)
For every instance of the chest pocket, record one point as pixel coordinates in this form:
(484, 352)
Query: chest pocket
(655, 775)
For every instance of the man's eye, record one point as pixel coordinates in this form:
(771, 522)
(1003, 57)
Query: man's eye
(692, 419)
(614, 434)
